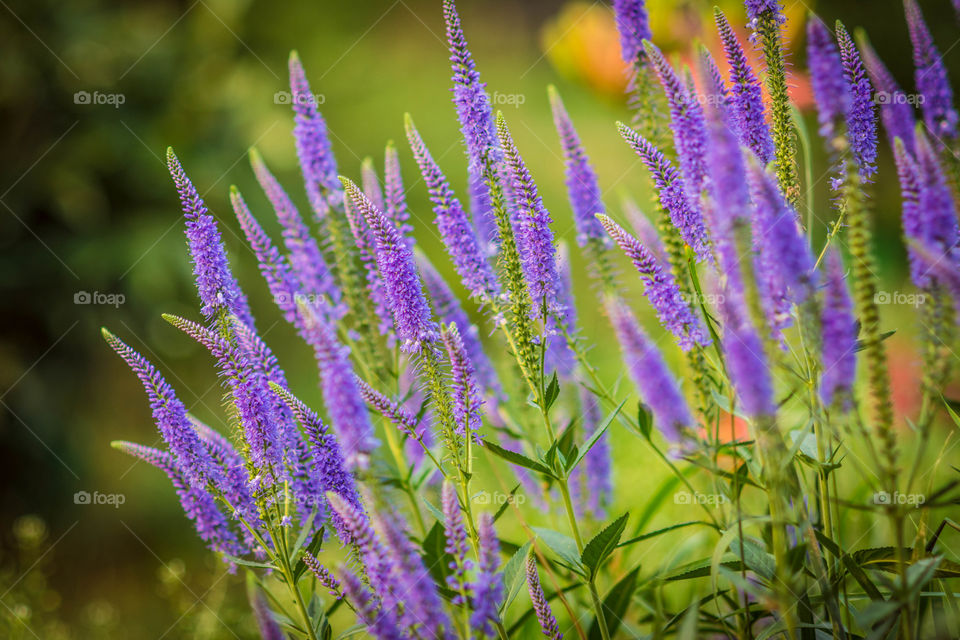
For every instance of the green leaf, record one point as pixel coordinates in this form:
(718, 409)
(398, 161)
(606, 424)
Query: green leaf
(553, 390)
(603, 544)
(248, 563)
(517, 458)
(514, 575)
(435, 555)
(592, 440)
(563, 546)
(654, 534)
(615, 604)
(861, 345)
(688, 625)
(644, 420)
(506, 503)
(701, 568)
(434, 511)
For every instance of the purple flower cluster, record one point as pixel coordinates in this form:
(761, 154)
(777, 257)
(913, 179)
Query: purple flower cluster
(931, 77)
(548, 623)
(633, 23)
(313, 144)
(826, 75)
(839, 337)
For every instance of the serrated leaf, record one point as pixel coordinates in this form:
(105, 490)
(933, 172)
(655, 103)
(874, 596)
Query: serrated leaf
(517, 458)
(603, 544)
(514, 575)
(552, 392)
(615, 604)
(562, 545)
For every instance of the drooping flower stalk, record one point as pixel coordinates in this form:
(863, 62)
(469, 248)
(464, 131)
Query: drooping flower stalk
(323, 576)
(660, 288)
(220, 295)
(766, 21)
(458, 234)
(931, 78)
(672, 190)
(895, 108)
(211, 525)
(487, 587)
(393, 411)
(839, 352)
(861, 112)
(746, 99)
(548, 623)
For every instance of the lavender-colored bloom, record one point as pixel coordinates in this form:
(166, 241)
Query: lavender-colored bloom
(481, 212)
(598, 470)
(582, 186)
(399, 415)
(911, 216)
(422, 612)
(746, 95)
(778, 236)
(256, 409)
(380, 622)
(192, 457)
(219, 292)
(714, 84)
(548, 624)
(861, 116)
(366, 245)
(411, 313)
(559, 354)
(470, 96)
(487, 586)
(534, 237)
(745, 359)
(650, 373)
(317, 162)
(456, 537)
(268, 627)
(826, 76)
(660, 288)
(935, 203)
(643, 228)
(931, 77)
(210, 523)
(448, 310)
(839, 337)
(672, 190)
(306, 259)
(760, 10)
(634, 27)
(235, 486)
(322, 575)
(689, 128)
(371, 183)
(895, 110)
(395, 198)
(345, 405)
(377, 562)
(458, 234)
(467, 401)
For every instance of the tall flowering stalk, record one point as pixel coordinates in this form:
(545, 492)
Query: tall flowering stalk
(645, 98)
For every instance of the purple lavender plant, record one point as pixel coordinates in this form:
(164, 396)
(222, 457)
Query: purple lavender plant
(487, 586)
(895, 110)
(931, 77)
(456, 537)
(861, 114)
(633, 23)
(548, 624)
(467, 401)
(826, 75)
(839, 352)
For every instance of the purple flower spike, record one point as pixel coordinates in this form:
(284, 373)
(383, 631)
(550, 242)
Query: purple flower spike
(411, 313)
(306, 259)
(210, 523)
(487, 586)
(456, 536)
(747, 95)
(371, 183)
(672, 190)
(559, 354)
(338, 384)
(400, 416)
(757, 10)
(861, 116)
(660, 288)
(366, 245)
(839, 337)
(395, 198)
(689, 128)
(323, 576)
(171, 417)
(633, 23)
(643, 228)
(458, 234)
(268, 627)
(219, 291)
(895, 109)
(935, 203)
(448, 310)
(597, 464)
(911, 217)
(534, 237)
(380, 622)
(548, 624)
(317, 162)
(650, 373)
(582, 186)
(375, 558)
(466, 394)
(745, 358)
(931, 76)
(777, 235)
(826, 75)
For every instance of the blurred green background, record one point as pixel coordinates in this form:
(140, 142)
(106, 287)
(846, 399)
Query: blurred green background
(87, 206)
